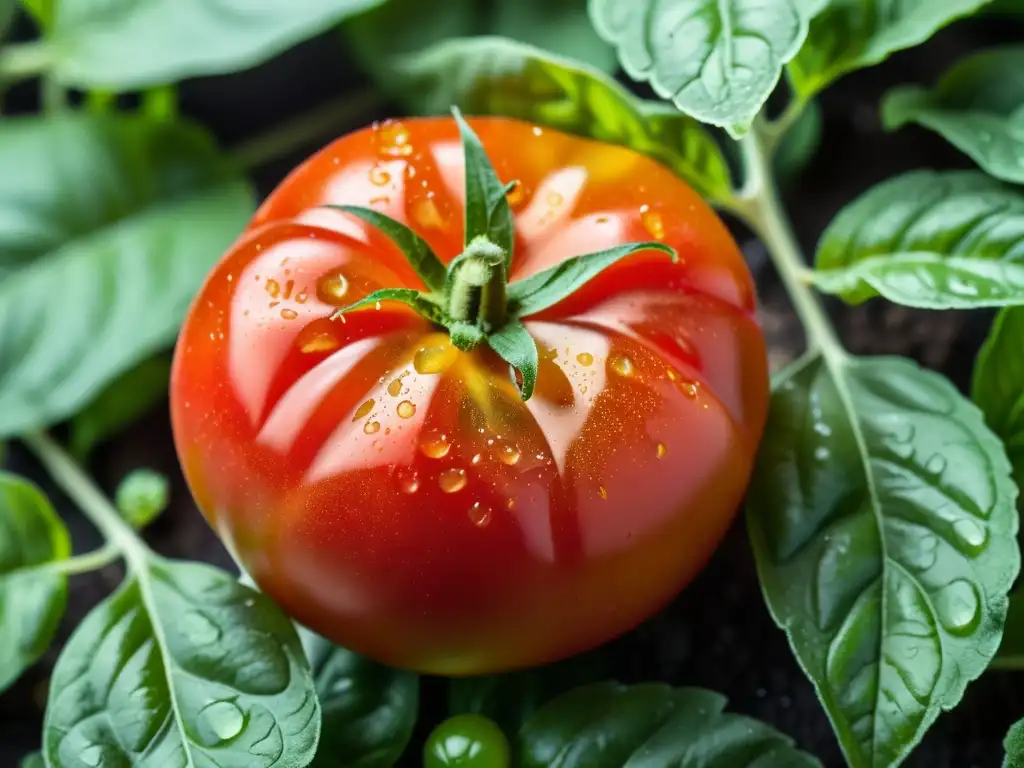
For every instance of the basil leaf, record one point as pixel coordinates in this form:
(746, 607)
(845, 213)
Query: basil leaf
(1014, 745)
(852, 34)
(35, 760)
(142, 496)
(883, 521)
(998, 385)
(716, 61)
(510, 699)
(182, 666)
(122, 403)
(416, 300)
(608, 725)
(798, 145)
(925, 239)
(397, 28)
(107, 228)
(416, 250)
(545, 289)
(514, 344)
(369, 710)
(976, 106)
(33, 593)
(495, 76)
(133, 45)
(487, 210)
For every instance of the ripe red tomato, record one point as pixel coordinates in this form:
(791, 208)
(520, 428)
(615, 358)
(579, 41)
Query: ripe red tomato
(397, 495)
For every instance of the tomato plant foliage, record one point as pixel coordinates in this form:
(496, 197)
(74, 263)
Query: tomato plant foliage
(883, 509)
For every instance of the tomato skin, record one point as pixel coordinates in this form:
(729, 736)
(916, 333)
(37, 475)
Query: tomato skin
(397, 495)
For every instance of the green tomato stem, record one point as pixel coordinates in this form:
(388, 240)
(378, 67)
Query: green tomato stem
(477, 288)
(81, 488)
(762, 208)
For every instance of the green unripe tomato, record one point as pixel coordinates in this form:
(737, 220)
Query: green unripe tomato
(467, 741)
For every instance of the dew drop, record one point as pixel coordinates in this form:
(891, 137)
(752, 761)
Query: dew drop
(554, 198)
(661, 450)
(371, 427)
(936, 464)
(971, 533)
(199, 629)
(273, 288)
(958, 607)
(425, 213)
(434, 359)
(585, 358)
(92, 755)
(477, 458)
(288, 288)
(364, 409)
(452, 480)
(408, 481)
(822, 428)
(289, 314)
(821, 453)
(653, 223)
(301, 297)
(479, 515)
(392, 139)
(378, 176)
(622, 365)
(406, 409)
(690, 389)
(602, 492)
(924, 555)
(317, 341)
(509, 454)
(219, 722)
(378, 446)
(332, 289)
(383, 201)
(395, 387)
(435, 445)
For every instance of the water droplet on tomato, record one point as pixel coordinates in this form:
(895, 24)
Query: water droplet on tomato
(301, 297)
(538, 131)
(378, 446)
(434, 359)
(511, 503)
(602, 492)
(554, 198)
(452, 480)
(378, 176)
(289, 314)
(273, 287)
(622, 365)
(392, 139)
(377, 306)
(585, 358)
(479, 515)
(516, 193)
(653, 223)
(435, 444)
(219, 722)
(364, 409)
(426, 214)
(371, 426)
(408, 481)
(288, 288)
(332, 289)
(383, 201)
(690, 389)
(395, 387)
(477, 458)
(312, 341)
(509, 454)
(661, 450)
(406, 409)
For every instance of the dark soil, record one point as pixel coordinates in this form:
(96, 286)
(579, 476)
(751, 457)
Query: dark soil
(718, 633)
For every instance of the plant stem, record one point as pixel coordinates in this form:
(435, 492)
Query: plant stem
(89, 498)
(305, 129)
(760, 205)
(24, 60)
(90, 561)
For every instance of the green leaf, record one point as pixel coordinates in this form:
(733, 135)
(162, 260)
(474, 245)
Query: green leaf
(416, 250)
(369, 710)
(495, 76)
(132, 45)
(926, 239)
(487, 211)
(976, 106)
(883, 521)
(608, 725)
(108, 226)
(545, 289)
(799, 144)
(1014, 745)
(397, 28)
(716, 60)
(514, 344)
(182, 666)
(142, 496)
(33, 593)
(511, 698)
(41, 11)
(416, 300)
(852, 34)
(998, 386)
(118, 406)
(35, 760)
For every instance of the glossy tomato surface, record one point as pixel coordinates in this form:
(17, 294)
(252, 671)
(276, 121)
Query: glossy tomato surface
(398, 495)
